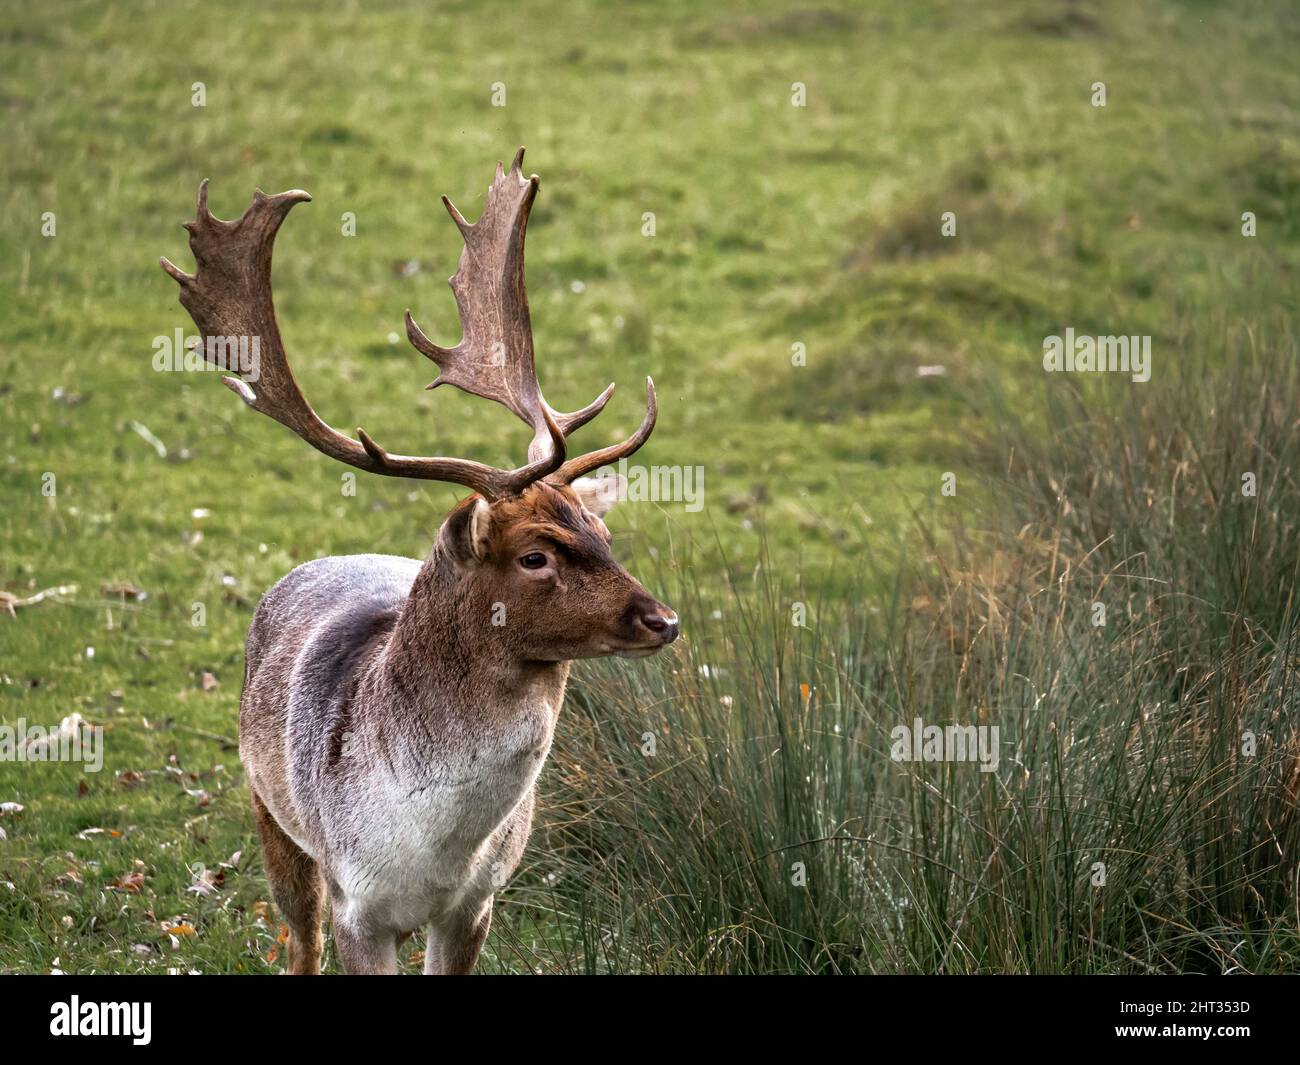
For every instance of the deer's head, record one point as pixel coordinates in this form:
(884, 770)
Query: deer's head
(532, 538)
(542, 560)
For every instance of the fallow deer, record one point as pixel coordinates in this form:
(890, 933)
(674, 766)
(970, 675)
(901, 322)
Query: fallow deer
(391, 726)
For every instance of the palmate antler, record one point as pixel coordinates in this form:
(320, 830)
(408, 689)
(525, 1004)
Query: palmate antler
(229, 295)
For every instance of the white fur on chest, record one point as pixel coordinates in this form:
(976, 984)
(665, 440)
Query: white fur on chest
(431, 841)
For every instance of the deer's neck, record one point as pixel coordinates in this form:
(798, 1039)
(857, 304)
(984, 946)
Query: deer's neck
(445, 652)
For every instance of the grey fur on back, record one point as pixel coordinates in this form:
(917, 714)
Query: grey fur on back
(310, 634)
(368, 586)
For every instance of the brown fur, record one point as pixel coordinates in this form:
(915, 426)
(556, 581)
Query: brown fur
(298, 890)
(389, 685)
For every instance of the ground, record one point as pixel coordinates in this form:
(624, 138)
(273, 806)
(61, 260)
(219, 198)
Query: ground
(744, 201)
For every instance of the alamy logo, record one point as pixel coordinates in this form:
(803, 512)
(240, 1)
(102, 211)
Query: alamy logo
(132, 1019)
(658, 484)
(1085, 354)
(72, 740)
(946, 743)
(234, 354)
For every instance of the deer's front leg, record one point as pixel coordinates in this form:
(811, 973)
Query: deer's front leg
(364, 951)
(454, 944)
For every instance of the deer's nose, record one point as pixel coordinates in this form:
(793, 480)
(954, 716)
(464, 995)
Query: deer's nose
(662, 623)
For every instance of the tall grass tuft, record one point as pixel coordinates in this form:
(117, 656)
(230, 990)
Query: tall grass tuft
(1126, 618)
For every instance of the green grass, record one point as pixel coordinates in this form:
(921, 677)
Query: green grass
(775, 226)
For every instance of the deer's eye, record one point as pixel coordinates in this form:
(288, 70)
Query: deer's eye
(533, 560)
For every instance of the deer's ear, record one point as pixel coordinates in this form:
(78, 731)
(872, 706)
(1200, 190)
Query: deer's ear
(599, 494)
(467, 531)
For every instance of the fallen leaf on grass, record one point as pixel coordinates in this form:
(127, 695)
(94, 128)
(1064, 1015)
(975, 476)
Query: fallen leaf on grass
(123, 590)
(206, 881)
(178, 926)
(86, 833)
(129, 882)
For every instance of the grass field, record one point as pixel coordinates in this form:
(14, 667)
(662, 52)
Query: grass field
(774, 226)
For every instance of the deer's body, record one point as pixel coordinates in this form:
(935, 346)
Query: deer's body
(396, 714)
(411, 789)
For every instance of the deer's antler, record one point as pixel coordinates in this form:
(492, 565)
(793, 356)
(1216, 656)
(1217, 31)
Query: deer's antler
(229, 295)
(495, 358)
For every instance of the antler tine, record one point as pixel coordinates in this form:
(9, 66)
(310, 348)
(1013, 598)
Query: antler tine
(575, 468)
(178, 274)
(579, 418)
(456, 217)
(229, 298)
(426, 347)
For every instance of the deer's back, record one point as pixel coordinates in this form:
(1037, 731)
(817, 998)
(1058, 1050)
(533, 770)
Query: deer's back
(311, 637)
